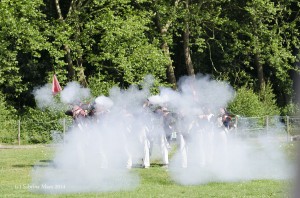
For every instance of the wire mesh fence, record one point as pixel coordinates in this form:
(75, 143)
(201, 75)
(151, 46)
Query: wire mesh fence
(42, 132)
(24, 131)
(274, 126)
(286, 127)
(27, 131)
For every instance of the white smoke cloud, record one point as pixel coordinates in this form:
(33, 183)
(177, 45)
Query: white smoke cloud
(235, 160)
(98, 151)
(103, 102)
(213, 155)
(44, 97)
(74, 92)
(90, 161)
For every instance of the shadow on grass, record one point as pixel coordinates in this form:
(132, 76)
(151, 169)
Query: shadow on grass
(157, 165)
(152, 165)
(22, 165)
(46, 163)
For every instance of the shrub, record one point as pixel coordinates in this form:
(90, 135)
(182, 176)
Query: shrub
(267, 97)
(8, 122)
(38, 125)
(246, 103)
(249, 104)
(292, 109)
(100, 85)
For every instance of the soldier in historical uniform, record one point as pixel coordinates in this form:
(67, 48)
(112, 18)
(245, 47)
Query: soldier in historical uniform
(183, 126)
(163, 132)
(226, 120)
(79, 112)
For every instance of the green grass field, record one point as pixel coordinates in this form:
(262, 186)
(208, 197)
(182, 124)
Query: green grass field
(15, 177)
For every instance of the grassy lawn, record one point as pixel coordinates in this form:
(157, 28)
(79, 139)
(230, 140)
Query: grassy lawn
(15, 177)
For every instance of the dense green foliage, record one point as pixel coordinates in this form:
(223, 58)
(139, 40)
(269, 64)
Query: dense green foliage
(118, 42)
(39, 126)
(246, 103)
(121, 41)
(249, 104)
(8, 122)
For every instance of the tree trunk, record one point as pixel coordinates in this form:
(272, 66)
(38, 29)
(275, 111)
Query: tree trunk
(260, 72)
(58, 10)
(163, 30)
(170, 69)
(186, 47)
(70, 68)
(81, 76)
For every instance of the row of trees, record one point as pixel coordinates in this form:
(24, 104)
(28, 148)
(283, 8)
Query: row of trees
(250, 43)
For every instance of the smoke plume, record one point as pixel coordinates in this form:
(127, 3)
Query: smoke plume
(100, 150)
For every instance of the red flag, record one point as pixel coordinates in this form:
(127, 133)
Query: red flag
(55, 85)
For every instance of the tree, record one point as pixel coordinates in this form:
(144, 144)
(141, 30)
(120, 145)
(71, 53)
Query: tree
(258, 42)
(22, 44)
(70, 25)
(186, 42)
(118, 42)
(199, 23)
(120, 45)
(165, 16)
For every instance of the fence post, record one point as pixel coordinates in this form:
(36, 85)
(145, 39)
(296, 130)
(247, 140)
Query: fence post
(267, 123)
(64, 129)
(287, 128)
(236, 124)
(19, 132)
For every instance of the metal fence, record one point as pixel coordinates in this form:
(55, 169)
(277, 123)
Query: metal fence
(24, 130)
(285, 127)
(21, 131)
